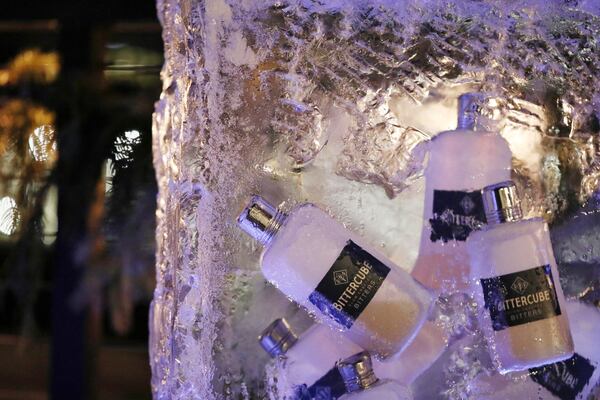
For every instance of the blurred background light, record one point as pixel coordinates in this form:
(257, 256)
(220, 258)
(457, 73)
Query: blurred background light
(9, 216)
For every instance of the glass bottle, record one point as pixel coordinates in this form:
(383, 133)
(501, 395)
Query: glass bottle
(336, 276)
(307, 360)
(461, 162)
(517, 288)
(310, 358)
(572, 379)
(362, 383)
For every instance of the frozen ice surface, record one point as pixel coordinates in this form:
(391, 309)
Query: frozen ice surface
(576, 242)
(329, 101)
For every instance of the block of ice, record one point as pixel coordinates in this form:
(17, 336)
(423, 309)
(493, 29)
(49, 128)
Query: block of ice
(327, 101)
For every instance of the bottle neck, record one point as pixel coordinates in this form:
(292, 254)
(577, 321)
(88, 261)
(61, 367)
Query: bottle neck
(478, 112)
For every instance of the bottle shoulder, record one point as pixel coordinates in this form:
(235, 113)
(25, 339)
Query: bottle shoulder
(468, 136)
(302, 250)
(329, 339)
(510, 247)
(461, 160)
(303, 214)
(308, 211)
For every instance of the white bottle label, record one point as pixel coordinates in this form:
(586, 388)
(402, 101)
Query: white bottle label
(564, 379)
(520, 297)
(349, 285)
(455, 215)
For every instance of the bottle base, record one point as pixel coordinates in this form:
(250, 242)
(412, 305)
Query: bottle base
(522, 365)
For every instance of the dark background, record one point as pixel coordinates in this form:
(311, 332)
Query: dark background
(78, 82)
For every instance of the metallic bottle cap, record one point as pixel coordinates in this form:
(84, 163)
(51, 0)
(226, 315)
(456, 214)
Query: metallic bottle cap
(277, 338)
(357, 372)
(261, 220)
(501, 203)
(477, 111)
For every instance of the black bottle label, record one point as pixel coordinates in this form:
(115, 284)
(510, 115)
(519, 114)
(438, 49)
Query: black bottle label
(520, 297)
(349, 285)
(565, 379)
(330, 386)
(455, 215)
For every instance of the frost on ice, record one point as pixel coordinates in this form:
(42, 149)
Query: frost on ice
(333, 102)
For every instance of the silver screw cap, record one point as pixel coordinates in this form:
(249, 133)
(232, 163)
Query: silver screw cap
(277, 338)
(260, 219)
(501, 203)
(357, 372)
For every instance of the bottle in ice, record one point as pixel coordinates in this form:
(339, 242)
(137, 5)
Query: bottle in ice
(461, 163)
(362, 383)
(336, 276)
(307, 361)
(574, 378)
(516, 285)
(310, 358)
